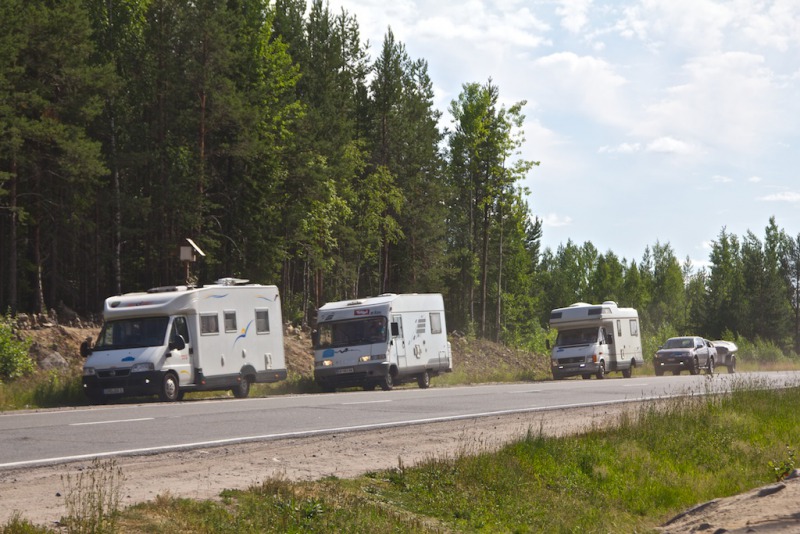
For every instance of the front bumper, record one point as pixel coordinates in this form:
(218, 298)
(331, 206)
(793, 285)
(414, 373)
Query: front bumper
(122, 383)
(352, 375)
(564, 369)
(675, 363)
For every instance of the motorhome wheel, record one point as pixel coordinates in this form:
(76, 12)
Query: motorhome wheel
(242, 390)
(424, 380)
(169, 388)
(387, 382)
(601, 370)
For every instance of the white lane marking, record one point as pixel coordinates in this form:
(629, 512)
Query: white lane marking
(526, 391)
(365, 402)
(115, 421)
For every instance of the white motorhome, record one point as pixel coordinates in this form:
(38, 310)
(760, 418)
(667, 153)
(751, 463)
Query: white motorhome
(381, 341)
(594, 339)
(170, 340)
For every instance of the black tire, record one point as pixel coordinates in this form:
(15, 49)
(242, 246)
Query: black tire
(586, 377)
(732, 365)
(659, 372)
(424, 380)
(710, 367)
(627, 373)
(695, 367)
(601, 370)
(242, 389)
(387, 382)
(170, 388)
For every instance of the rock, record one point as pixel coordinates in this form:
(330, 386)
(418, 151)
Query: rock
(54, 360)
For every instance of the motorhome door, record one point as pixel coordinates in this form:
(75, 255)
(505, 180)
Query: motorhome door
(180, 359)
(399, 341)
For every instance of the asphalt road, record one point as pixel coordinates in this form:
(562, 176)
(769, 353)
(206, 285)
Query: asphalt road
(32, 438)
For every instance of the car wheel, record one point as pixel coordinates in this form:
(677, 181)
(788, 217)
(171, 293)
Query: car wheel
(710, 368)
(732, 365)
(695, 367)
(659, 372)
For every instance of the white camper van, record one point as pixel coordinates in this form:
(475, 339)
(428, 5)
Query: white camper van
(594, 339)
(170, 340)
(381, 341)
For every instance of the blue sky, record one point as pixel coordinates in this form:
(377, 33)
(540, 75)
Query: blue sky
(654, 120)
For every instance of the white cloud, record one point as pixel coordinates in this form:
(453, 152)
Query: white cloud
(623, 148)
(573, 14)
(754, 179)
(670, 145)
(583, 84)
(787, 196)
(721, 179)
(554, 221)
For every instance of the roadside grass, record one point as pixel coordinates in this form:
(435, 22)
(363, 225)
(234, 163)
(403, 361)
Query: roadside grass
(42, 390)
(659, 459)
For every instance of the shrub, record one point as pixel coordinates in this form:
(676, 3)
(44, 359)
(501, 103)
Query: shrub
(14, 359)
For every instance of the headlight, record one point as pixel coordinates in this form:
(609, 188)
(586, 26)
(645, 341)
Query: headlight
(142, 367)
(89, 371)
(364, 358)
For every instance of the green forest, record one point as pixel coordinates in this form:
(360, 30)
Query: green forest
(296, 154)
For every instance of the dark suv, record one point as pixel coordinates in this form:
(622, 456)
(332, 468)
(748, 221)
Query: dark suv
(689, 353)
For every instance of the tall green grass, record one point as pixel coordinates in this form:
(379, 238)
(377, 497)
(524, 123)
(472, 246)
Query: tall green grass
(43, 390)
(656, 461)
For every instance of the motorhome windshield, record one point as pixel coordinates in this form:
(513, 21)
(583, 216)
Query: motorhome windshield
(132, 333)
(578, 336)
(354, 332)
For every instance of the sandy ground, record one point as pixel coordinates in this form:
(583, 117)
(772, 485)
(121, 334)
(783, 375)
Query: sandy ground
(37, 494)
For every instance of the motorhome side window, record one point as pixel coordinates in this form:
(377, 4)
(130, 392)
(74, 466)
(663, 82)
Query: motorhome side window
(262, 321)
(230, 321)
(634, 327)
(209, 324)
(619, 328)
(436, 323)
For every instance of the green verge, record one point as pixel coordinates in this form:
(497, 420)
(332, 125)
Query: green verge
(658, 460)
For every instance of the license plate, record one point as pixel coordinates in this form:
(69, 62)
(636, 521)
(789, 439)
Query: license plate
(112, 391)
(344, 371)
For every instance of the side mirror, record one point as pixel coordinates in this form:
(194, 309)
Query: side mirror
(610, 339)
(86, 348)
(177, 344)
(395, 330)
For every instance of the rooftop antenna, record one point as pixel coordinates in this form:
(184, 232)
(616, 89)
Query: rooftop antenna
(188, 257)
